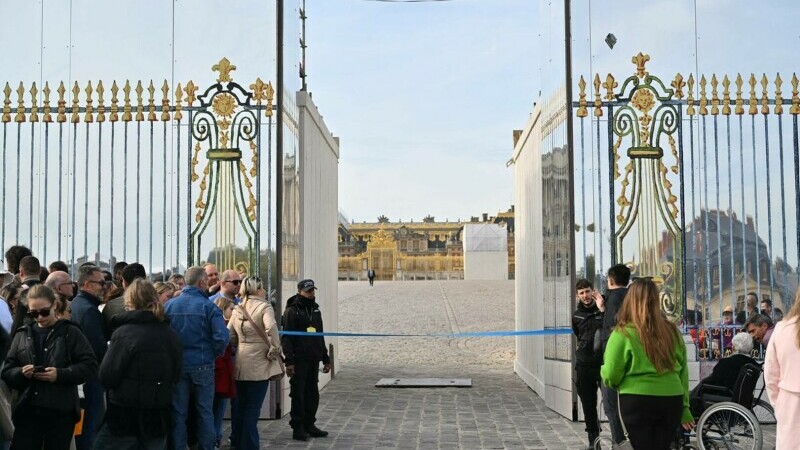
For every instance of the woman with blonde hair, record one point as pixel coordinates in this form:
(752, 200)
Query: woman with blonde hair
(254, 333)
(139, 371)
(781, 367)
(165, 291)
(645, 362)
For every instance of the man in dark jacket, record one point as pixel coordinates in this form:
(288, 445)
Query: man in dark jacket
(618, 277)
(303, 355)
(117, 305)
(586, 320)
(85, 313)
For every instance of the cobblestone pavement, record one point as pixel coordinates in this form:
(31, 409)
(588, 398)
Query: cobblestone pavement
(498, 412)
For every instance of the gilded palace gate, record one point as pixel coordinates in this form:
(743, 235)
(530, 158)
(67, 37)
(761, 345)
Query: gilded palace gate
(167, 177)
(703, 177)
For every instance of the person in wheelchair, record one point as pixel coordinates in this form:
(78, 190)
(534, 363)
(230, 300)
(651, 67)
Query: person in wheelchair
(724, 374)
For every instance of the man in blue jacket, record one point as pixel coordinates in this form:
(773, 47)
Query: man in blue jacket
(201, 327)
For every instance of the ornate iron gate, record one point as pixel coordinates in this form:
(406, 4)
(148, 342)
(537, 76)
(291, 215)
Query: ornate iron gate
(146, 177)
(704, 200)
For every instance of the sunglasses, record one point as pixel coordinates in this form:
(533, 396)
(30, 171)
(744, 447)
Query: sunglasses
(33, 314)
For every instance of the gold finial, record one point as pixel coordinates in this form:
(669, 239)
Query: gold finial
(703, 99)
(778, 95)
(7, 104)
(582, 112)
(678, 85)
(739, 100)
(114, 101)
(764, 95)
(598, 104)
(20, 117)
(151, 102)
(47, 118)
(62, 104)
(609, 85)
(139, 105)
(34, 107)
(753, 101)
(726, 96)
(165, 102)
(714, 96)
(224, 67)
(191, 90)
(258, 91)
(101, 107)
(690, 99)
(640, 60)
(178, 107)
(88, 116)
(795, 109)
(76, 90)
(270, 98)
(126, 107)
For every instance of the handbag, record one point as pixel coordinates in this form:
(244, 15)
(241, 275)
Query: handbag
(264, 337)
(626, 444)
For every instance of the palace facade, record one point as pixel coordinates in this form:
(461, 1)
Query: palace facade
(426, 250)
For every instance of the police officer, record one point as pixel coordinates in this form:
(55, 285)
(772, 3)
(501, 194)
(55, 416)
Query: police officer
(586, 320)
(302, 356)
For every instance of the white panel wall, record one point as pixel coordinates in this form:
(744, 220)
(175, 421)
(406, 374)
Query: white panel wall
(529, 363)
(319, 193)
(486, 265)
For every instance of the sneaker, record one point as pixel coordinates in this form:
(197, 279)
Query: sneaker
(300, 435)
(316, 432)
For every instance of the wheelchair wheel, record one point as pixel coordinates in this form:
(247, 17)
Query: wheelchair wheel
(764, 412)
(603, 443)
(728, 425)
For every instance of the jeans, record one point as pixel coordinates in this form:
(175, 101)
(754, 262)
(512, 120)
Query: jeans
(612, 413)
(587, 382)
(108, 441)
(220, 405)
(304, 392)
(244, 427)
(94, 408)
(200, 382)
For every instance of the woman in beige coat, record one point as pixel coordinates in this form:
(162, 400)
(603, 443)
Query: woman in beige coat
(254, 334)
(781, 368)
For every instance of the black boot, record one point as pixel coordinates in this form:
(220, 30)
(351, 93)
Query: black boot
(300, 434)
(316, 432)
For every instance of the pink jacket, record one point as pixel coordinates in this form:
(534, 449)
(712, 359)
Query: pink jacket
(782, 363)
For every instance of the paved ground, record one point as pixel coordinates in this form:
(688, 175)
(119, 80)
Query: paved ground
(498, 412)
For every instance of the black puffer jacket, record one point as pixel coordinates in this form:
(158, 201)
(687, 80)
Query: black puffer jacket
(300, 314)
(67, 350)
(143, 361)
(586, 320)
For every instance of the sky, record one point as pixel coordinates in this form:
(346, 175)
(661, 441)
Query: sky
(424, 97)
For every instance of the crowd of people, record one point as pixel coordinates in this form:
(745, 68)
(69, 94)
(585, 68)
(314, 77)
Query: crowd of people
(112, 360)
(636, 357)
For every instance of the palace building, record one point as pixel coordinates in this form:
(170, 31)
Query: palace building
(426, 250)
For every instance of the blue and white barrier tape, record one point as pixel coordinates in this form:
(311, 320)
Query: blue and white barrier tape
(545, 332)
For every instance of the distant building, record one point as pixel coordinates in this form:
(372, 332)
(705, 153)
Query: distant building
(426, 250)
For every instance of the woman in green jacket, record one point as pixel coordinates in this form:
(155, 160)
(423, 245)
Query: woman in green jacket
(645, 361)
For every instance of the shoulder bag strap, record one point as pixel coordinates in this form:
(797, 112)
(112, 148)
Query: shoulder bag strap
(621, 422)
(259, 330)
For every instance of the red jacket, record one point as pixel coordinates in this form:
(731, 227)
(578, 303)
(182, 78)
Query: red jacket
(224, 384)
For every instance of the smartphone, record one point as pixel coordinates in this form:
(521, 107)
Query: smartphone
(38, 369)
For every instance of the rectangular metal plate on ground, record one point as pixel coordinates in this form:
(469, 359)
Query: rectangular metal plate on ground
(424, 382)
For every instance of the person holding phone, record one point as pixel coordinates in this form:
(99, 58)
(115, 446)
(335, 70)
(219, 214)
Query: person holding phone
(47, 361)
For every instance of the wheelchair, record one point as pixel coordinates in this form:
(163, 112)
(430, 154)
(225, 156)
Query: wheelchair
(724, 418)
